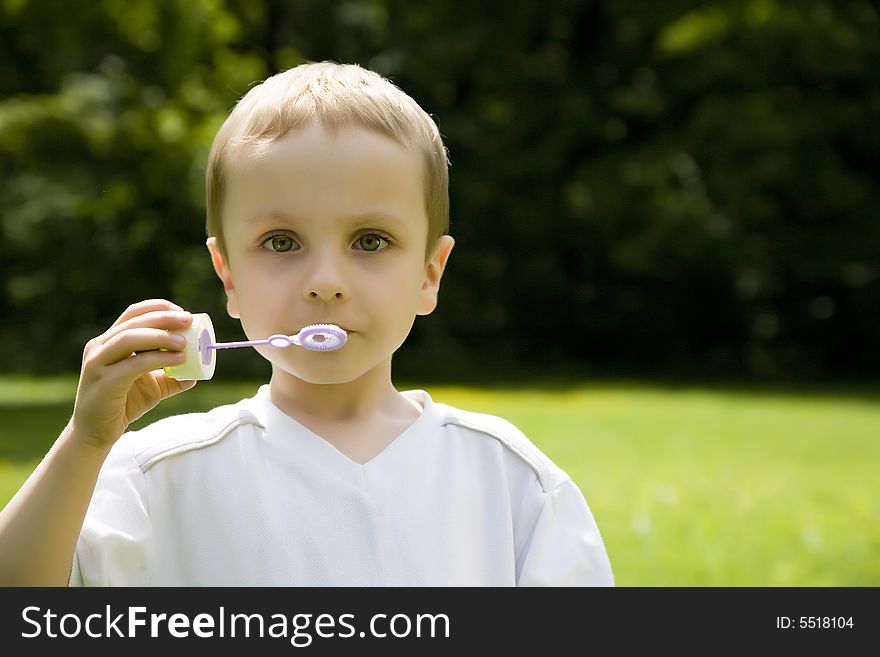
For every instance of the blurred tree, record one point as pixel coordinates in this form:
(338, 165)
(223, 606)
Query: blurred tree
(683, 187)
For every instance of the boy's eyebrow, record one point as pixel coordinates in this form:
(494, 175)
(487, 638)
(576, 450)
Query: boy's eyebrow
(360, 219)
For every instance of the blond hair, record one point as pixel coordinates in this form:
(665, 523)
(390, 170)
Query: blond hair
(335, 95)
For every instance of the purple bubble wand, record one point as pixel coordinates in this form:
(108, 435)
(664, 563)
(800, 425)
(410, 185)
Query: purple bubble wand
(315, 337)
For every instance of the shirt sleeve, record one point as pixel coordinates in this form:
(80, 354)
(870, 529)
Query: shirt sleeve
(115, 544)
(565, 547)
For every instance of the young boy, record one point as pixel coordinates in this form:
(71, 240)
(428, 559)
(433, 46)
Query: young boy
(327, 203)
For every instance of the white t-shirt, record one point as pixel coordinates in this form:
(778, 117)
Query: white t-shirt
(245, 495)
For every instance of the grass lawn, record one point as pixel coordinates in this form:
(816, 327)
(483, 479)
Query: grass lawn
(689, 486)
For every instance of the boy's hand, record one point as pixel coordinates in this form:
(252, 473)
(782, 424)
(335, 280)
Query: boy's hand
(122, 377)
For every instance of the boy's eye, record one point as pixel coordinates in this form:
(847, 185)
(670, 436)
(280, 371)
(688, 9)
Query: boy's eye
(371, 241)
(279, 243)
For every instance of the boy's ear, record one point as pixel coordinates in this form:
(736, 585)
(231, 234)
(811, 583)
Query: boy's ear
(224, 273)
(433, 274)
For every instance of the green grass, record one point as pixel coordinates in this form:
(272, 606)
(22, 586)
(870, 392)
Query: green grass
(689, 486)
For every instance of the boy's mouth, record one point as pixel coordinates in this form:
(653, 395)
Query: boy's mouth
(344, 328)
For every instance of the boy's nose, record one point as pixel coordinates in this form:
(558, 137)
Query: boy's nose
(325, 294)
(325, 281)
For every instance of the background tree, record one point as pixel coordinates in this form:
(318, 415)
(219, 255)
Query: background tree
(673, 188)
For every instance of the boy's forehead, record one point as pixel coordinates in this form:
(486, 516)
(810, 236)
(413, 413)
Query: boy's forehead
(352, 171)
(315, 145)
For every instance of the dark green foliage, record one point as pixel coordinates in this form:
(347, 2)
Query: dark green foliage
(685, 188)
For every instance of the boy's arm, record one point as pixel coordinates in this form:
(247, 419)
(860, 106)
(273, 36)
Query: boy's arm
(121, 379)
(565, 547)
(40, 526)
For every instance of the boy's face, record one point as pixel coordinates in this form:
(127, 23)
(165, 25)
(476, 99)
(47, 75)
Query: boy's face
(323, 228)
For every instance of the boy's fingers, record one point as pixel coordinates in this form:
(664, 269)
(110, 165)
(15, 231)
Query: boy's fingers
(142, 307)
(169, 320)
(169, 386)
(163, 387)
(134, 367)
(122, 345)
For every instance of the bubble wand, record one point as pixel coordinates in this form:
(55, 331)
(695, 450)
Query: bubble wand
(201, 345)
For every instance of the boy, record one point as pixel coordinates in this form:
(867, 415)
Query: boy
(327, 203)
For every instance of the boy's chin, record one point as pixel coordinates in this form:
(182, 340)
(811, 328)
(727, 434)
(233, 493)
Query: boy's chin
(316, 375)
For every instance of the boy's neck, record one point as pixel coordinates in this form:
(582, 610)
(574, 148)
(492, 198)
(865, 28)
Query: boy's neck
(370, 398)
